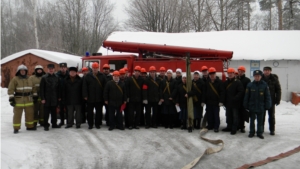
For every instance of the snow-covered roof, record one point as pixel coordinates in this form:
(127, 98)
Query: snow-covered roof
(55, 57)
(246, 45)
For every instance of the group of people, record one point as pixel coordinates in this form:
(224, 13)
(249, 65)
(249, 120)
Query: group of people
(162, 96)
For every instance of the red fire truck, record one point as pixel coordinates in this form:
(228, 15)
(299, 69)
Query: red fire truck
(170, 57)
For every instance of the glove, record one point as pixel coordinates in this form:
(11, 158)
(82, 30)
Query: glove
(12, 102)
(202, 104)
(35, 99)
(221, 104)
(145, 101)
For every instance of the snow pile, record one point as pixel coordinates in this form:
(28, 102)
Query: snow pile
(246, 45)
(55, 57)
(153, 148)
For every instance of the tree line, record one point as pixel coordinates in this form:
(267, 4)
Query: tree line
(77, 26)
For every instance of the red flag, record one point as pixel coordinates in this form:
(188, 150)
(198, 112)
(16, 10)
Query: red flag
(123, 106)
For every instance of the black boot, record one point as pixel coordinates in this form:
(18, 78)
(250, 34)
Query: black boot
(183, 127)
(190, 129)
(32, 129)
(16, 131)
(195, 123)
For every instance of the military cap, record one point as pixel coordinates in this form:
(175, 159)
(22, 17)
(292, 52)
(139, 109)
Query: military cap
(50, 65)
(73, 69)
(257, 72)
(267, 68)
(63, 64)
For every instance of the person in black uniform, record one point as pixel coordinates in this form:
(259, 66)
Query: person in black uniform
(50, 96)
(106, 72)
(92, 91)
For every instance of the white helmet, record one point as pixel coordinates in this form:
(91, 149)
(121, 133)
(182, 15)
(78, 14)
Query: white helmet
(178, 70)
(169, 71)
(38, 67)
(21, 67)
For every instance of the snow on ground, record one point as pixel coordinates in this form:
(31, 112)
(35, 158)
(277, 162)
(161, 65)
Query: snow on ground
(153, 148)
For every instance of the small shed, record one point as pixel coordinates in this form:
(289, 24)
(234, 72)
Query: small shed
(31, 58)
(252, 49)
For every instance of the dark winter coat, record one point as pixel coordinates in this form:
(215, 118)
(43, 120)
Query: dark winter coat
(153, 91)
(180, 95)
(245, 80)
(168, 92)
(72, 93)
(210, 97)
(108, 77)
(198, 89)
(162, 77)
(274, 87)
(113, 94)
(257, 97)
(92, 89)
(205, 79)
(234, 93)
(136, 93)
(50, 89)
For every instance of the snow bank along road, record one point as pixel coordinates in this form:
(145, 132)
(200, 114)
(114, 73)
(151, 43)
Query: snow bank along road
(153, 148)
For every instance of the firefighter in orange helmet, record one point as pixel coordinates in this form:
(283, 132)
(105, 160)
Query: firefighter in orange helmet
(21, 92)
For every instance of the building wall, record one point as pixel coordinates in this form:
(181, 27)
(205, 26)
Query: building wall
(287, 70)
(8, 70)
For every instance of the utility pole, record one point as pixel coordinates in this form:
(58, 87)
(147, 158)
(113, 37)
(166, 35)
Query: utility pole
(190, 108)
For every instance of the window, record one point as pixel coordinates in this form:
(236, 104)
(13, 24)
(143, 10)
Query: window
(117, 64)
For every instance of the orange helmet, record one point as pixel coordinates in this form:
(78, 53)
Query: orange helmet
(162, 69)
(230, 70)
(84, 69)
(152, 68)
(95, 65)
(122, 71)
(236, 72)
(138, 68)
(212, 70)
(106, 66)
(116, 73)
(242, 68)
(203, 68)
(143, 70)
(125, 68)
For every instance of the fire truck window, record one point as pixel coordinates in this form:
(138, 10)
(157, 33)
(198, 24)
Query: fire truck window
(117, 64)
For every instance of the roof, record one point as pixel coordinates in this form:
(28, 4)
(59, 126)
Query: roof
(246, 45)
(55, 57)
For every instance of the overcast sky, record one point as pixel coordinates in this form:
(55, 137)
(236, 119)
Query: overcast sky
(119, 11)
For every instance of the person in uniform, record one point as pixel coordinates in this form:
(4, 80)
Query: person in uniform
(214, 99)
(153, 92)
(38, 106)
(275, 90)
(135, 97)
(62, 74)
(21, 92)
(205, 77)
(84, 71)
(144, 105)
(160, 116)
(257, 99)
(73, 97)
(124, 78)
(168, 98)
(50, 94)
(106, 72)
(234, 92)
(114, 97)
(243, 114)
(92, 91)
(198, 86)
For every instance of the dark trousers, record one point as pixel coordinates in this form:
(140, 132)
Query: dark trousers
(98, 117)
(271, 113)
(126, 114)
(142, 116)
(151, 120)
(169, 115)
(115, 117)
(198, 114)
(83, 111)
(259, 116)
(106, 114)
(242, 117)
(47, 111)
(232, 118)
(135, 113)
(63, 112)
(160, 117)
(71, 110)
(213, 116)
